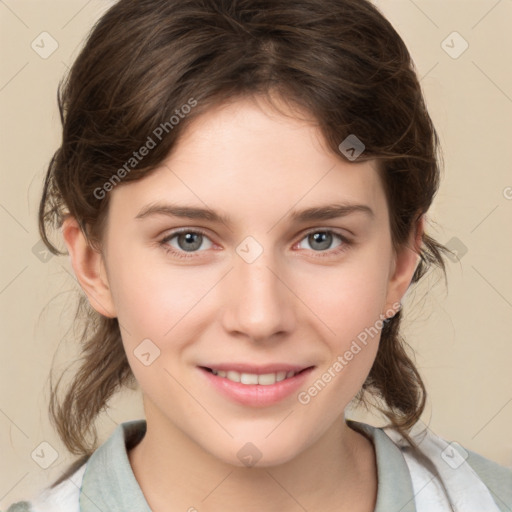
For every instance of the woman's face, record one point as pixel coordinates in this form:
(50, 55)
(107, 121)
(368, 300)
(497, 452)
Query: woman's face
(274, 280)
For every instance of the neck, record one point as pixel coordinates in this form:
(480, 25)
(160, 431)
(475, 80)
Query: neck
(332, 474)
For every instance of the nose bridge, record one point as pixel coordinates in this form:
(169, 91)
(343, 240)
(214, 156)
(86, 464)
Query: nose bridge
(260, 304)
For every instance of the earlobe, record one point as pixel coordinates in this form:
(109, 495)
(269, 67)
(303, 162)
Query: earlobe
(405, 264)
(89, 268)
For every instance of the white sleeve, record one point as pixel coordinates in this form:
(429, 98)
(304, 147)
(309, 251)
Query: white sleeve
(466, 490)
(62, 498)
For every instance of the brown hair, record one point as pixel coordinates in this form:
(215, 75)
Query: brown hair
(340, 61)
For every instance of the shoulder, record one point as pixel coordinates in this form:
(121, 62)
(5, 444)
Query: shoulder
(466, 478)
(435, 474)
(105, 481)
(498, 479)
(63, 497)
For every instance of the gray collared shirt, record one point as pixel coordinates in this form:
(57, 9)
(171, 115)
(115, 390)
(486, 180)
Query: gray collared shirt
(109, 483)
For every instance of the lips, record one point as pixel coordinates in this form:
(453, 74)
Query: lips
(256, 386)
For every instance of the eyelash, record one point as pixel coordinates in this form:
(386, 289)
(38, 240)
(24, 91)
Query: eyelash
(346, 243)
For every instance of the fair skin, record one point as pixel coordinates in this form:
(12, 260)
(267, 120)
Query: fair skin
(299, 302)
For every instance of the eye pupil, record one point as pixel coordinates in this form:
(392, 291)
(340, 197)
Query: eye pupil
(193, 241)
(322, 237)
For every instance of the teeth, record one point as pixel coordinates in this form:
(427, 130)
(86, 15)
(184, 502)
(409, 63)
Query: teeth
(280, 376)
(234, 376)
(266, 379)
(248, 378)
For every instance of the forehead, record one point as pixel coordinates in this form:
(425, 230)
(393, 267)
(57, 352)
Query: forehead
(246, 159)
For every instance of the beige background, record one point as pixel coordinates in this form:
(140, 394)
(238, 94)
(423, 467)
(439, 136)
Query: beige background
(462, 335)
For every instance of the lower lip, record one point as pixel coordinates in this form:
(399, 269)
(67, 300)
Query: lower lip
(256, 395)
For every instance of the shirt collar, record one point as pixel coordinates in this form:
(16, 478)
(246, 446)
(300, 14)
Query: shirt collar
(110, 485)
(395, 492)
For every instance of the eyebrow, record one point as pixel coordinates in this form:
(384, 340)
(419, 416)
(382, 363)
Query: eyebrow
(325, 212)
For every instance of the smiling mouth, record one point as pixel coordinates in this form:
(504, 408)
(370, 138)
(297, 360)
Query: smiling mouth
(265, 379)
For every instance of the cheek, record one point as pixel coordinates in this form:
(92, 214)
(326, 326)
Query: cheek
(348, 301)
(338, 381)
(152, 299)
(347, 298)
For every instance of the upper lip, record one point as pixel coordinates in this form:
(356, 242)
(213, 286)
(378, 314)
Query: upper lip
(257, 369)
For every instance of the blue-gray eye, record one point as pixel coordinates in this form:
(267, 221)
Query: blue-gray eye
(188, 241)
(321, 240)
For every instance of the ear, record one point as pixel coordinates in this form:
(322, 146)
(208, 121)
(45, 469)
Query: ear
(404, 265)
(89, 268)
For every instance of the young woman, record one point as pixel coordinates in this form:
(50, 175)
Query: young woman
(243, 188)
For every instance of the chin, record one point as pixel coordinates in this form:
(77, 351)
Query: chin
(258, 453)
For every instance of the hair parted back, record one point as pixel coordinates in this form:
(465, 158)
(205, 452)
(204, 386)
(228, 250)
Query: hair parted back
(340, 61)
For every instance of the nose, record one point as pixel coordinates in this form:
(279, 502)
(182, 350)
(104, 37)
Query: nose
(260, 304)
